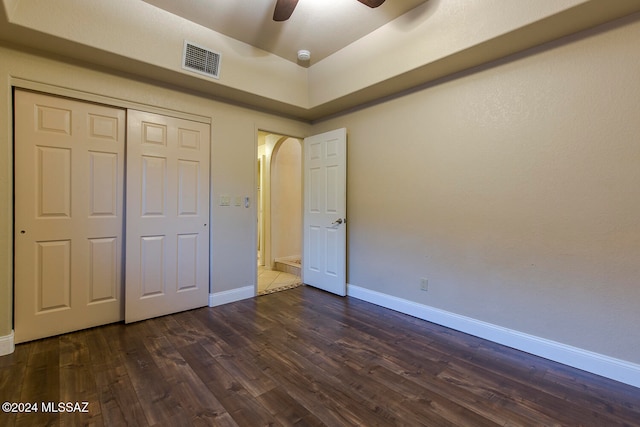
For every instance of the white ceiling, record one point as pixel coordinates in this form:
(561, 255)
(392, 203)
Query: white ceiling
(320, 26)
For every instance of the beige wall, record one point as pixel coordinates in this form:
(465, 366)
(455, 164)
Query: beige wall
(233, 154)
(116, 32)
(281, 194)
(286, 199)
(515, 189)
(435, 39)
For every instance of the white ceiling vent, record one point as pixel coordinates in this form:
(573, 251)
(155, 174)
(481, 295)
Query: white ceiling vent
(200, 60)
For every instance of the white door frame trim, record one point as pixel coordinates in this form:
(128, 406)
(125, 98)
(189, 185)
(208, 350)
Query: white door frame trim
(16, 82)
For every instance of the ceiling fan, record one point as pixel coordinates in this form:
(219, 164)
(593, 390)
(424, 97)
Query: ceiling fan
(284, 8)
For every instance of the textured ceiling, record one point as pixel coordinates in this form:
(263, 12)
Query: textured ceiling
(320, 26)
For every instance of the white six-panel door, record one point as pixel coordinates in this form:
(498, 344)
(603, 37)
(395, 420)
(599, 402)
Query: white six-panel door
(325, 206)
(167, 265)
(69, 178)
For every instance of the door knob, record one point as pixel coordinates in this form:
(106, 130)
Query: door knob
(337, 222)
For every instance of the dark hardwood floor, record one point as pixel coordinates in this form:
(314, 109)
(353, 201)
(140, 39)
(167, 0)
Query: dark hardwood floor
(300, 357)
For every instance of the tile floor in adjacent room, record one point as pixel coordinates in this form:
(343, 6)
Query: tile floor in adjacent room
(272, 280)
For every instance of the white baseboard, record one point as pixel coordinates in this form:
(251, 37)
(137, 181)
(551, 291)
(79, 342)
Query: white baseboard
(609, 367)
(225, 297)
(7, 345)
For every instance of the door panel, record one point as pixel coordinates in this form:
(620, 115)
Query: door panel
(53, 188)
(103, 259)
(187, 265)
(152, 266)
(324, 263)
(154, 188)
(188, 173)
(69, 182)
(53, 276)
(167, 215)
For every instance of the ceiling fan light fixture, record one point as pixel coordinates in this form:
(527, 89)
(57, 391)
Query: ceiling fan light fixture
(304, 55)
(284, 8)
(372, 3)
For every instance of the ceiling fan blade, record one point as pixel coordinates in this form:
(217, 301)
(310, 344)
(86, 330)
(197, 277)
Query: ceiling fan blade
(284, 9)
(372, 3)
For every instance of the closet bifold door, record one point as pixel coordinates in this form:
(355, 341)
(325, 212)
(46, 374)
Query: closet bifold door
(69, 194)
(167, 231)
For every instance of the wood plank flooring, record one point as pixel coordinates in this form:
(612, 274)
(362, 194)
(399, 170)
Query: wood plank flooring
(300, 357)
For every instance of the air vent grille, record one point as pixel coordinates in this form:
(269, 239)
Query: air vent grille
(201, 60)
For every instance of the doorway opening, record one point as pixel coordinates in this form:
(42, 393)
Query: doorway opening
(279, 183)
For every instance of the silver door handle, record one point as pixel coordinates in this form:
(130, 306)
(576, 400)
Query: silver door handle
(337, 221)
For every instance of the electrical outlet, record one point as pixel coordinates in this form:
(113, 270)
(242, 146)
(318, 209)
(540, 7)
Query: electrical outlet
(424, 284)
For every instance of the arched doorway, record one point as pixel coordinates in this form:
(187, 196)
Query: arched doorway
(279, 212)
